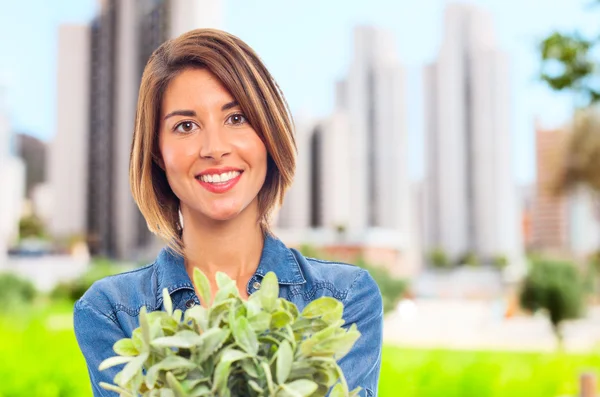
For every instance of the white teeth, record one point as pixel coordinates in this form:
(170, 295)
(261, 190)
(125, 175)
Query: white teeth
(220, 178)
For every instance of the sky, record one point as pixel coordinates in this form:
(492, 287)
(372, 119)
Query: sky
(307, 46)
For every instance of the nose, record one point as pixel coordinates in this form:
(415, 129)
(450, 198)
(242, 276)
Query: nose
(214, 143)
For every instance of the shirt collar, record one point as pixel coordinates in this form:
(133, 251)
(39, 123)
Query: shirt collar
(276, 257)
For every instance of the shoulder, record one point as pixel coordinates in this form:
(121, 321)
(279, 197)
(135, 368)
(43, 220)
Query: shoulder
(127, 291)
(349, 281)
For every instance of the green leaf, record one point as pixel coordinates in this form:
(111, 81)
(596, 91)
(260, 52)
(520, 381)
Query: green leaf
(244, 336)
(145, 326)
(267, 371)
(133, 367)
(227, 288)
(256, 387)
(199, 315)
(125, 347)
(233, 355)
(202, 286)
(211, 341)
(221, 376)
(175, 385)
(337, 391)
(166, 393)
(325, 307)
(269, 291)
(183, 339)
(280, 319)
(249, 368)
(285, 358)
(109, 387)
(112, 361)
(298, 388)
(167, 302)
(177, 314)
(260, 322)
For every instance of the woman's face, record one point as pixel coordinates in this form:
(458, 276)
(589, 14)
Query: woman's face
(214, 161)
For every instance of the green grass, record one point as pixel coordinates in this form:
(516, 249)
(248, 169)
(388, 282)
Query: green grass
(437, 373)
(39, 357)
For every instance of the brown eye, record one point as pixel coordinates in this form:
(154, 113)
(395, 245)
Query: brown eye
(237, 119)
(186, 127)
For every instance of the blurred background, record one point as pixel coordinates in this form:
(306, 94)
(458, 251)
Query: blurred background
(453, 149)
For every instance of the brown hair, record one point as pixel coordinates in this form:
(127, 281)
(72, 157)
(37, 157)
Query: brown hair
(243, 74)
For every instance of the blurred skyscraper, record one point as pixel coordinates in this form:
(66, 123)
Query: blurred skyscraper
(115, 49)
(352, 173)
(471, 196)
(12, 175)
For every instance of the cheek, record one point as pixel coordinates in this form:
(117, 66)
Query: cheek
(177, 156)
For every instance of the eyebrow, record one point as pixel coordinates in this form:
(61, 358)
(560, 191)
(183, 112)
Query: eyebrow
(191, 113)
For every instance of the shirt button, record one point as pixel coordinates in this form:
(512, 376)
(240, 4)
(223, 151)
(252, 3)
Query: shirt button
(190, 303)
(256, 285)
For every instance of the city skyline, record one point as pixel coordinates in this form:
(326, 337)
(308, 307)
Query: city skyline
(321, 53)
(471, 197)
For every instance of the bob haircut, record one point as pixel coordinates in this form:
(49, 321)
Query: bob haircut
(246, 78)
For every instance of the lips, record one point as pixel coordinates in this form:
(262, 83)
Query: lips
(211, 179)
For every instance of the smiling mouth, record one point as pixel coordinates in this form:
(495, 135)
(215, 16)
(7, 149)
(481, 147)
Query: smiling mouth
(218, 178)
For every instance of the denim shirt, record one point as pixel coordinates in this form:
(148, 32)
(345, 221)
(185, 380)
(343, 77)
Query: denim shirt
(109, 310)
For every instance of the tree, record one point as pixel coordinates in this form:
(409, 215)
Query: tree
(438, 259)
(556, 289)
(569, 63)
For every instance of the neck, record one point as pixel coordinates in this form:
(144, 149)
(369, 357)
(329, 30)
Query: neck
(233, 247)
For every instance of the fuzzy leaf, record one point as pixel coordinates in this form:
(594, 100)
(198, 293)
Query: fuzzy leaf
(233, 355)
(267, 372)
(202, 286)
(211, 341)
(133, 367)
(145, 326)
(260, 322)
(121, 391)
(125, 347)
(227, 288)
(174, 384)
(285, 358)
(325, 307)
(337, 391)
(280, 319)
(269, 291)
(112, 361)
(199, 315)
(256, 387)
(177, 314)
(183, 339)
(165, 392)
(244, 336)
(170, 363)
(298, 388)
(167, 302)
(221, 375)
(250, 368)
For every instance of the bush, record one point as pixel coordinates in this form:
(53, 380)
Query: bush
(468, 259)
(73, 290)
(391, 288)
(438, 259)
(557, 289)
(15, 292)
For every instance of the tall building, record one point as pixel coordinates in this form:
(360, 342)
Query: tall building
(120, 41)
(549, 224)
(68, 151)
(372, 96)
(470, 193)
(12, 175)
(33, 153)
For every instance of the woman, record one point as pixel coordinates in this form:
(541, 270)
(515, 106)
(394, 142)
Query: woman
(213, 153)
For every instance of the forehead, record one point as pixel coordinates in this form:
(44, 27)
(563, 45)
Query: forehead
(194, 89)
